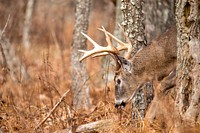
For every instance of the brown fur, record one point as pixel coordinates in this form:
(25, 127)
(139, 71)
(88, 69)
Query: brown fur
(151, 63)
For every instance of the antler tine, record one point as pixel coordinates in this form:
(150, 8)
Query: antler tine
(122, 45)
(129, 45)
(128, 40)
(108, 41)
(116, 39)
(97, 48)
(107, 38)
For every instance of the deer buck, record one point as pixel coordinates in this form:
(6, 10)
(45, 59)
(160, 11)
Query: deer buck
(156, 63)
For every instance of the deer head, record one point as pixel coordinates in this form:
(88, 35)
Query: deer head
(152, 62)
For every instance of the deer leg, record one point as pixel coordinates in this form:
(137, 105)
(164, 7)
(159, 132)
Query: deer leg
(160, 89)
(151, 112)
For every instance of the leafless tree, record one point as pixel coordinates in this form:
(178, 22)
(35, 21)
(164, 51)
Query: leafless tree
(27, 24)
(12, 64)
(80, 89)
(118, 20)
(133, 23)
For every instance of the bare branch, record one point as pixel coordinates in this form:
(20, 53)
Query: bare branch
(52, 110)
(5, 26)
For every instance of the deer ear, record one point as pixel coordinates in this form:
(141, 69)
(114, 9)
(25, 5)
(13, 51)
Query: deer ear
(124, 63)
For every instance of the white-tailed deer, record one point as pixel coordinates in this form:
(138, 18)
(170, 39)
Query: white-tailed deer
(155, 62)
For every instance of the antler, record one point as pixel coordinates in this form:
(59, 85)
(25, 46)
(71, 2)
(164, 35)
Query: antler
(110, 49)
(121, 45)
(97, 48)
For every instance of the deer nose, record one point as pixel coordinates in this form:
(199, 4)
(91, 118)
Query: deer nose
(120, 104)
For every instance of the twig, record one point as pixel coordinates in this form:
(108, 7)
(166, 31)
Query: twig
(5, 26)
(52, 110)
(2, 51)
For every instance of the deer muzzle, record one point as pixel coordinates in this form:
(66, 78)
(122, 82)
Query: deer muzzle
(120, 104)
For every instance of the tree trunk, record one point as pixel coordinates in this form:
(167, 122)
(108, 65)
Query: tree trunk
(80, 87)
(118, 20)
(12, 62)
(188, 59)
(133, 23)
(107, 74)
(27, 24)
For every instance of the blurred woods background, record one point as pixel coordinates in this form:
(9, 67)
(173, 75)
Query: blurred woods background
(49, 24)
(58, 16)
(36, 30)
(35, 69)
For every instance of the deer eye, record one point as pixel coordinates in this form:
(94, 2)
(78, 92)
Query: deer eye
(118, 81)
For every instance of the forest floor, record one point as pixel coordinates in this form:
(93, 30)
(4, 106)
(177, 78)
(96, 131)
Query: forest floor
(24, 105)
(39, 105)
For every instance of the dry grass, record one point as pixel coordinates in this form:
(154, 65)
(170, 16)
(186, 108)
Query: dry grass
(24, 105)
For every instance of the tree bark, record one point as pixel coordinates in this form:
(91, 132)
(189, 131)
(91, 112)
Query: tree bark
(79, 76)
(133, 23)
(188, 60)
(27, 24)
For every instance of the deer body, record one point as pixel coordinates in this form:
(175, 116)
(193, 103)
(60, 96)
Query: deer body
(152, 63)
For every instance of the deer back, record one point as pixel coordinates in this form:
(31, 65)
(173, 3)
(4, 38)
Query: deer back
(156, 58)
